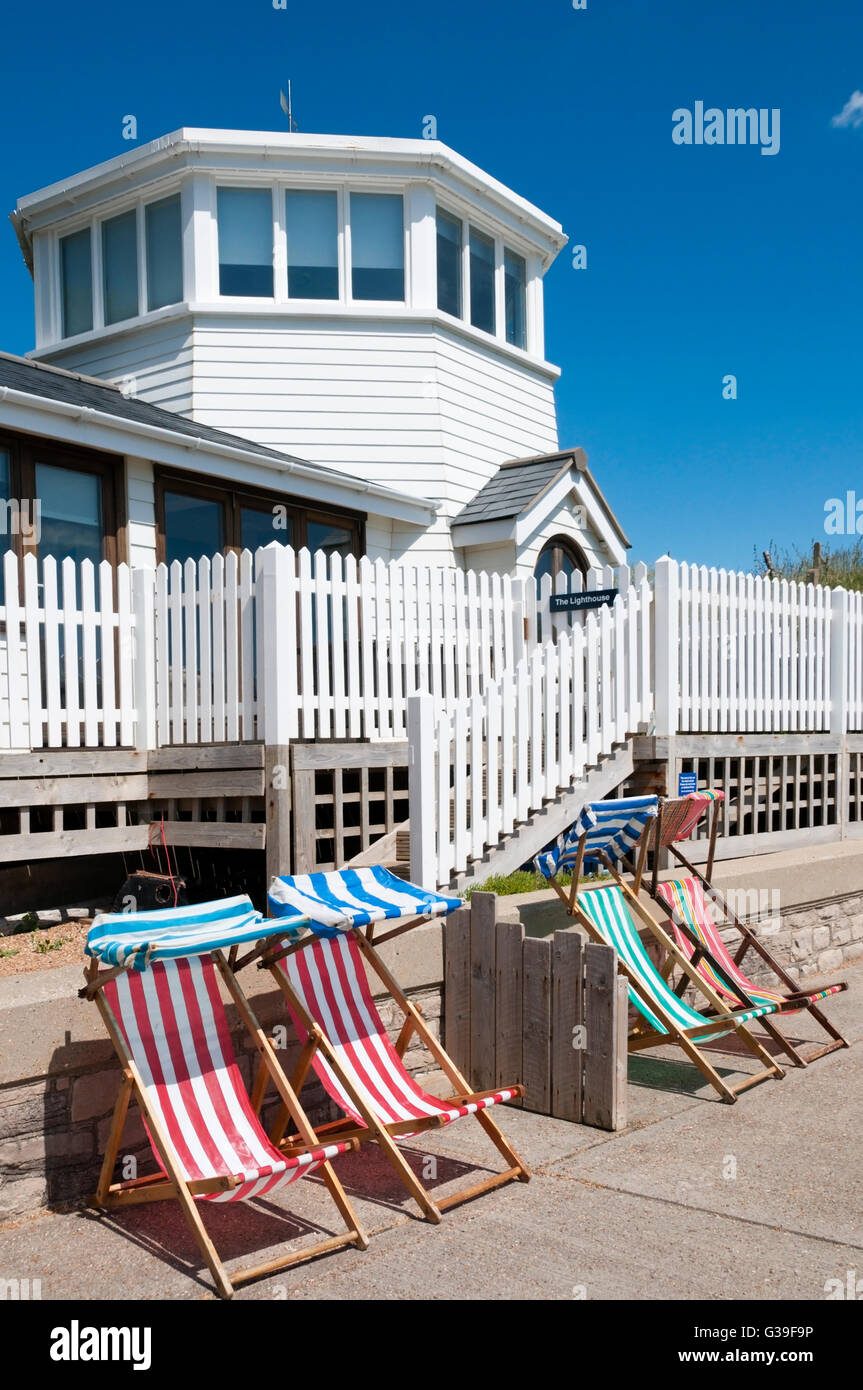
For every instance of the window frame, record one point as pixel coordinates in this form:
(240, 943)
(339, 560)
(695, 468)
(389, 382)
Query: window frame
(234, 497)
(26, 450)
(561, 542)
(278, 242)
(468, 219)
(94, 222)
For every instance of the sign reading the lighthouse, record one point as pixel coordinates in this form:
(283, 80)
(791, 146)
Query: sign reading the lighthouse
(565, 603)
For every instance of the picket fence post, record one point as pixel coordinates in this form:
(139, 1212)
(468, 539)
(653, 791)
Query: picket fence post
(144, 610)
(839, 622)
(666, 617)
(422, 791)
(276, 645)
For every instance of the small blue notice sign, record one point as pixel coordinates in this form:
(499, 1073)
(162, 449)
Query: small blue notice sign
(686, 782)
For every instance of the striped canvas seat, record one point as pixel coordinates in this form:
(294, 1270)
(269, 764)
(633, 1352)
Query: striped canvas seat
(681, 814)
(346, 898)
(330, 980)
(685, 899)
(174, 1025)
(609, 913)
(612, 827)
(139, 939)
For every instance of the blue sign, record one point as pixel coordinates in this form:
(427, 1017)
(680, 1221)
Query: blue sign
(686, 782)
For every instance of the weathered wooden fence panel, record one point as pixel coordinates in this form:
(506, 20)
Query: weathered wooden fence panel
(548, 1012)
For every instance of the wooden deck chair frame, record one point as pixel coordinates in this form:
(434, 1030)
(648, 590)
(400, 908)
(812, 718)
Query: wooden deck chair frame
(748, 940)
(110, 1196)
(375, 1129)
(642, 1038)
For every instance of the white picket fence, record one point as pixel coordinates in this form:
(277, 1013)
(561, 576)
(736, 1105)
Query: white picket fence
(486, 764)
(351, 641)
(854, 660)
(754, 653)
(66, 655)
(282, 645)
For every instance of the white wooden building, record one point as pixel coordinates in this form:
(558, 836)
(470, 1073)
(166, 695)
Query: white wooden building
(370, 309)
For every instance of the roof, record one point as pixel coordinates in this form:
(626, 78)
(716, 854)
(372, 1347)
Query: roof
(280, 152)
(519, 484)
(90, 394)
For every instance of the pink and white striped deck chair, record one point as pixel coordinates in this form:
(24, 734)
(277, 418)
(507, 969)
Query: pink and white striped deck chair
(327, 992)
(168, 1024)
(696, 933)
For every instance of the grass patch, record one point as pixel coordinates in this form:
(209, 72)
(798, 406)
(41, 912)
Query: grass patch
(42, 945)
(525, 881)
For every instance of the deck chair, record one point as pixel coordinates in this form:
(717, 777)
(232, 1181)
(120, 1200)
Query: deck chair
(605, 832)
(160, 1002)
(323, 978)
(695, 905)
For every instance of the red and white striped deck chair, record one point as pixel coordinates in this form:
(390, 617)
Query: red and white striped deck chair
(168, 1024)
(695, 918)
(327, 992)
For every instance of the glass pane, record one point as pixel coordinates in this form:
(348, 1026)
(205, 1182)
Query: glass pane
(448, 263)
(164, 238)
(514, 280)
(544, 565)
(259, 527)
(481, 281)
(330, 537)
(245, 241)
(377, 246)
(120, 267)
(71, 504)
(194, 526)
(313, 245)
(76, 274)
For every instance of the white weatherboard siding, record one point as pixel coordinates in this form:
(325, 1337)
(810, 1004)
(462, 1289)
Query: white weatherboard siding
(156, 360)
(414, 406)
(141, 511)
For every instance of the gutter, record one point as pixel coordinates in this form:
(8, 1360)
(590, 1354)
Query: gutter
(425, 512)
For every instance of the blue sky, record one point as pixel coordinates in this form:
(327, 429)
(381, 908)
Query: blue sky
(702, 261)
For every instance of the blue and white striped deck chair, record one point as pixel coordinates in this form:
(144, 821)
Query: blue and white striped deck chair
(605, 832)
(335, 902)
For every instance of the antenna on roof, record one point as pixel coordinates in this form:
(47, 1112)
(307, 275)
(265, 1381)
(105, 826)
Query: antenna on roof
(285, 102)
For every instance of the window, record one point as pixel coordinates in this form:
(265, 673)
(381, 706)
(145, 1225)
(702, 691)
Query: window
(482, 281)
(377, 246)
(68, 501)
(449, 256)
(194, 526)
(313, 245)
(514, 281)
(560, 556)
(120, 267)
(76, 279)
(245, 220)
(195, 519)
(163, 235)
(260, 525)
(330, 537)
(6, 514)
(72, 523)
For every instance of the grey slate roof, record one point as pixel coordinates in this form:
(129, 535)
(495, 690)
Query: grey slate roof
(512, 489)
(519, 483)
(57, 384)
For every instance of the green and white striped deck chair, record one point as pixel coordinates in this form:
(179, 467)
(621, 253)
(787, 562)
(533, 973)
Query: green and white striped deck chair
(606, 914)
